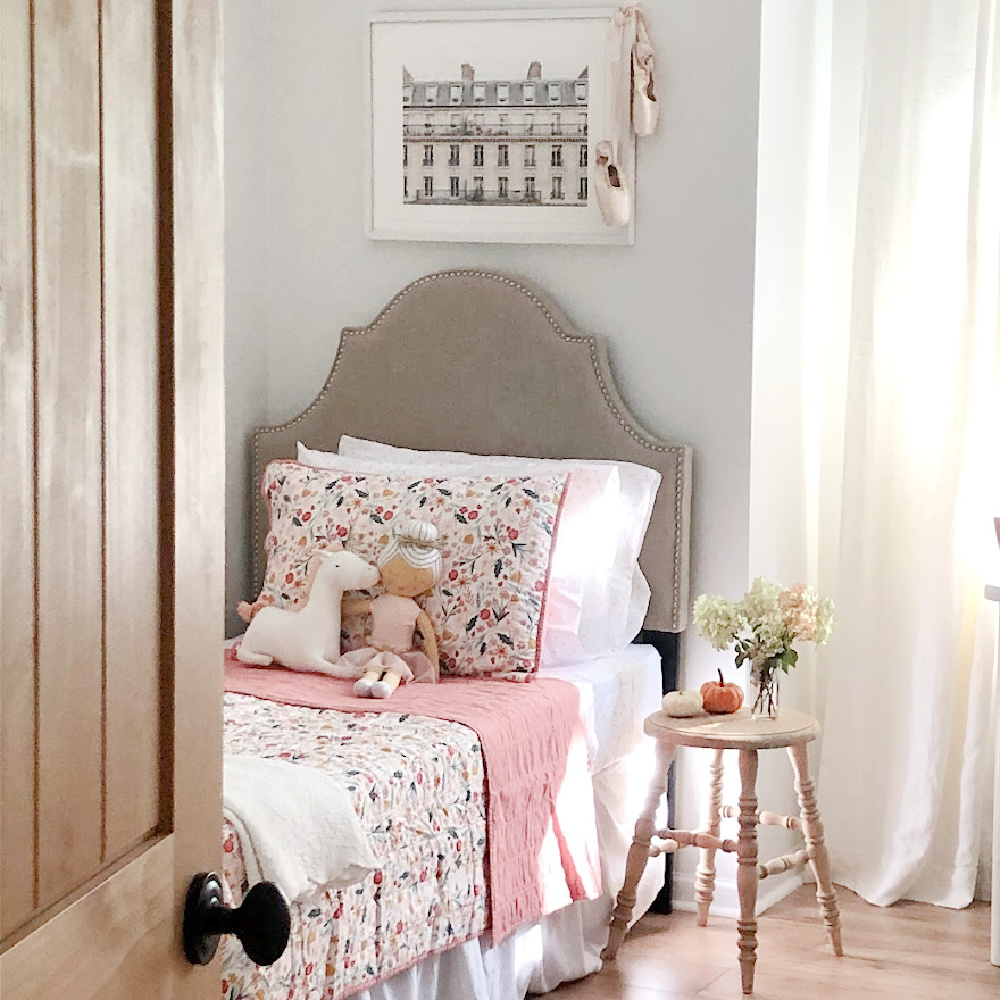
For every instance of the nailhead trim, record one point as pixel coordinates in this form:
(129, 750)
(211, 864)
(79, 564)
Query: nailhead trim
(624, 419)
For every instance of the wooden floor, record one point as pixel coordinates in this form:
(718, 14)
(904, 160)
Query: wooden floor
(910, 951)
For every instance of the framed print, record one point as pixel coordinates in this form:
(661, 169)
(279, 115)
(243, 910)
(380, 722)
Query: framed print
(482, 126)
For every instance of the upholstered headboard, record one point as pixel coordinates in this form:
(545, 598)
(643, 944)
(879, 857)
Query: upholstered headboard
(480, 362)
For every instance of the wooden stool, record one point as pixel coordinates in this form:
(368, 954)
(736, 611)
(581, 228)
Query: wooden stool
(792, 730)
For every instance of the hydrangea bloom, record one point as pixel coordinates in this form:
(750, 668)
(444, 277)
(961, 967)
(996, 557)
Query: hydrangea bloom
(717, 619)
(763, 626)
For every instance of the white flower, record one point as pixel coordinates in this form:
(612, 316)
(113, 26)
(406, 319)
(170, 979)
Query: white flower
(766, 622)
(717, 620)
(760, 599)
(769, 627)
(824, 620)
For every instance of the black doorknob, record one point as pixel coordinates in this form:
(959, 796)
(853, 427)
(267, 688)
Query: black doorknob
(262, 923)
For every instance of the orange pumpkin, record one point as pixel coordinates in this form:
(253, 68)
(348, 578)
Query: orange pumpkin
(721, 698)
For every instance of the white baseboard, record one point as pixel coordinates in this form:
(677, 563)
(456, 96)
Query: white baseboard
(726, 901)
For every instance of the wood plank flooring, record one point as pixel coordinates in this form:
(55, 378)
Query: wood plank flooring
(910, 951)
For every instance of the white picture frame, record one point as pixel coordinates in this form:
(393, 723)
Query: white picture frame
(501, 110)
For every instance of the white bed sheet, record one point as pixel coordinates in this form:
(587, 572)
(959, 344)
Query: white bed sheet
(617, 693)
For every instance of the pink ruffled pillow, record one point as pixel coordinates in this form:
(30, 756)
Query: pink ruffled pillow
(498, 534)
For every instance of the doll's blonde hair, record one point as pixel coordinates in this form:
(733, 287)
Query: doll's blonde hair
(415, 541)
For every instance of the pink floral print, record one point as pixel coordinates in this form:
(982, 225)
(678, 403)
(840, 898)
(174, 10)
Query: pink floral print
(497, 534)
(417, 785)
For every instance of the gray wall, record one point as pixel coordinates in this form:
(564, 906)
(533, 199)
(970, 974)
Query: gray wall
(676, 309)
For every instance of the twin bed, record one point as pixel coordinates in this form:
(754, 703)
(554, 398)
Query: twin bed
(499, 814)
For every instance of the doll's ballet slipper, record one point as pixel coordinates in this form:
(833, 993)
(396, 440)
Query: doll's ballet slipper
(645, 106)
(385, 687)
(612, 193)
(363, 686)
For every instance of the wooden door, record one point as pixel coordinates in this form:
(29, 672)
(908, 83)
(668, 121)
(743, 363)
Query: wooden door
(111, 466)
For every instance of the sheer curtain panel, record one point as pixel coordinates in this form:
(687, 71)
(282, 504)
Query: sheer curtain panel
(875, 416)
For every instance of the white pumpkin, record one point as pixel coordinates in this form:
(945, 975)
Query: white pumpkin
(682, 704)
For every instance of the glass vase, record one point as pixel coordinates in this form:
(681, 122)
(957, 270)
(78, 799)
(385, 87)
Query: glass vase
(763, 695)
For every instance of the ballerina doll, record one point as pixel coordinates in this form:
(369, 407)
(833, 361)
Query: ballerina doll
(410, 565)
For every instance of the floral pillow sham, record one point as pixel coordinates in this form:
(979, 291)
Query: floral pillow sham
(584, 553)
(497, 533)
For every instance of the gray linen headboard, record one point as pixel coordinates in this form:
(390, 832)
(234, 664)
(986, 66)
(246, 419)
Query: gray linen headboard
(480, 362)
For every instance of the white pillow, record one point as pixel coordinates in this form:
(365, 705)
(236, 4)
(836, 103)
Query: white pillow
(614, 607)
(583, 559)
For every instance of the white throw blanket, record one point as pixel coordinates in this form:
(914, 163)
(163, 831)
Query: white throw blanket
(296, 824)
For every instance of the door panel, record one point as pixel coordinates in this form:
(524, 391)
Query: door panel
(111, 438)
(115, 943)
(131, 302)
(17, 505)
(68, 441)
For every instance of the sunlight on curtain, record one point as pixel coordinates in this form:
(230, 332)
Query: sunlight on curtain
(876, 427)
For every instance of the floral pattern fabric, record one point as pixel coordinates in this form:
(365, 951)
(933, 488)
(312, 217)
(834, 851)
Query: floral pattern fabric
(497, 534)
(417, 785)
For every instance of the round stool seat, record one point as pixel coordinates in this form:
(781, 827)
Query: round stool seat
(736, 731)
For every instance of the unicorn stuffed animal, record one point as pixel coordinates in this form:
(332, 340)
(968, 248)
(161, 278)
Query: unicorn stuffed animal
(309, 638)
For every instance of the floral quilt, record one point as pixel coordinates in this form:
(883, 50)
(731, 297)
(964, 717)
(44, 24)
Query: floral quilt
(418, 787)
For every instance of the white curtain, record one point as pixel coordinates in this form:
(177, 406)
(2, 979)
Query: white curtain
(876, 428)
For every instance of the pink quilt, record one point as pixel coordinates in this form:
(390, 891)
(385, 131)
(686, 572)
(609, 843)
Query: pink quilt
(541, 833)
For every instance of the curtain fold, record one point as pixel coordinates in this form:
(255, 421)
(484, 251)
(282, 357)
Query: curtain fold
(875, 443)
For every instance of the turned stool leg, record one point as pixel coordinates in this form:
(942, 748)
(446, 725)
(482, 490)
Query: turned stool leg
(747, 875)
(819, 859)
(704, 883)
(638, 853)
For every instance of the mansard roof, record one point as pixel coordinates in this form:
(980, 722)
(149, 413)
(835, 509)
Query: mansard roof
(567, 92)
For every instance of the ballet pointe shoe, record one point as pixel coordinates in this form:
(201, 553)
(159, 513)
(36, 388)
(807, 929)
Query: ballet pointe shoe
(364, 684)
(385, 687)
(645, 106)
(609, 182)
